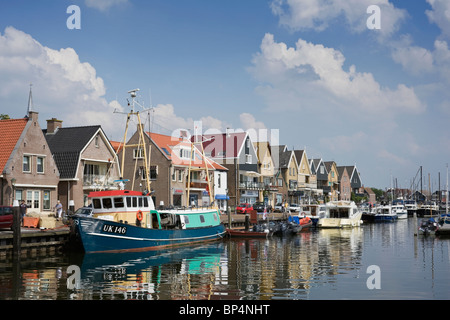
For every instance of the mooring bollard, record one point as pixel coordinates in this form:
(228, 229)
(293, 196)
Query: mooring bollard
(17, 234)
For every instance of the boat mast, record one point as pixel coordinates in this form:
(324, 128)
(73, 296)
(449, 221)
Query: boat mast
(446, 194)
(140, 145)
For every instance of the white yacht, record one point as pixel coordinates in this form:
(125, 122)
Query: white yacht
(399, 208)
(385, 213)
(339, 214)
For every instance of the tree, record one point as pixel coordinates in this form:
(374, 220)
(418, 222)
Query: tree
(4, 117)
(379, 193)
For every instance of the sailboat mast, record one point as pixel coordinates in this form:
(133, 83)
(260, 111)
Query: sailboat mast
(446, 194)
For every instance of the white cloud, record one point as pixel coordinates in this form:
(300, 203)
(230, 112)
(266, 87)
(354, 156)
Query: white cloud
(315, 68)
(63, 86)
(320, 14)
(418, 60)
(104, 5)
(248, 121)
(166, 121)
(440, 14)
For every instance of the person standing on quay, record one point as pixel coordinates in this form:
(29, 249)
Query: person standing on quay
(58, 209)
(23, 209)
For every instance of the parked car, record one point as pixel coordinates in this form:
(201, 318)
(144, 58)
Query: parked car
(260, 206)
(294, 207)
(6, 217)
(244, 208)
(279, 207)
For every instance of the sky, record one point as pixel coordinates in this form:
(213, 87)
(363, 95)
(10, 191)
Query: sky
(359, 82)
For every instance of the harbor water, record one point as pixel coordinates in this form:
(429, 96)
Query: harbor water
(374, 261)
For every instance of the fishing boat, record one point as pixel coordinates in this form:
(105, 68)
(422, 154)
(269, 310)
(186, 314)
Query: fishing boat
(127, 221)
(341, 214)
(384, 213)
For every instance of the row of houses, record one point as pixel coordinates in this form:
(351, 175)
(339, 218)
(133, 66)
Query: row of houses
(41, 166)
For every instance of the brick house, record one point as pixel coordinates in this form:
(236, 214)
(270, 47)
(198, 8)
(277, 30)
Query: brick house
(86, 161)
(345, 189)
(27, 169)
(169, 163)
(236, 152)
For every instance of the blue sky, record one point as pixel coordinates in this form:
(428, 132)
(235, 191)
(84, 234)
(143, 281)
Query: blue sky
(310, 70)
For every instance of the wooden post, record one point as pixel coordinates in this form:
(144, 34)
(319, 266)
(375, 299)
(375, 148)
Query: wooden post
(247, 222)
(17, 234)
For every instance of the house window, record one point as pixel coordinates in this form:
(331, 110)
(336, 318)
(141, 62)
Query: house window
(33, 199)
(138, 153)
(26, 164)
(174, 174)
(18, 195)
(248, 158)
(40, 165)
(46, 200)
(91, 169)
(322, 170)
(96, 142)
(153, 172)
(180, 175)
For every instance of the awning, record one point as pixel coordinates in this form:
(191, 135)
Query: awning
(222, 197)
(251, 174)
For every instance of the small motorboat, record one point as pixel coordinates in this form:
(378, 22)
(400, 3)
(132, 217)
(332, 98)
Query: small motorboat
(262, 230)
(428, 227)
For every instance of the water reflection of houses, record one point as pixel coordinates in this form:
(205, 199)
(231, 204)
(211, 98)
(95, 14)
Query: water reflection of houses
(290, 268)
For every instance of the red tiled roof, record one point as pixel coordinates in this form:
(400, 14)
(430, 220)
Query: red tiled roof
(167, 143)
(117, 145)
(10, 131)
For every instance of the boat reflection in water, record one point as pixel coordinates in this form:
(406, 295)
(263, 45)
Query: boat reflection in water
(183, 273)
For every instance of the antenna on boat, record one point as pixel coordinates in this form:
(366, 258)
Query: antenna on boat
(140, 146)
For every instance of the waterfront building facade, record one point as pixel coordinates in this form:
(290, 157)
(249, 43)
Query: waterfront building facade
(27, 169)
(169, 166)
(86, 161)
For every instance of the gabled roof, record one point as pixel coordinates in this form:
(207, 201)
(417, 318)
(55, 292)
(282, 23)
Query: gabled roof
(224, 145)
(66, 145)
(262, 148)
(299, 155)
(284, 156)
(329, 165)
(168, 144)
(341, 171)
(10, 132)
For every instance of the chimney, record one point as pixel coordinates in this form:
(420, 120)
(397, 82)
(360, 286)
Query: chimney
(53, 124)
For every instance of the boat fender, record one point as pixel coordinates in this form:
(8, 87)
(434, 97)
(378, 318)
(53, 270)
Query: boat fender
(139, 215)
